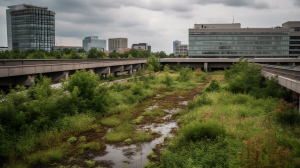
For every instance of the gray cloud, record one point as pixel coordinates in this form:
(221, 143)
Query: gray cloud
(257, 4)
(297, 2)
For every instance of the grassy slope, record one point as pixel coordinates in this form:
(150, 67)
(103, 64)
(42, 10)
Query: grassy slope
(235, 130)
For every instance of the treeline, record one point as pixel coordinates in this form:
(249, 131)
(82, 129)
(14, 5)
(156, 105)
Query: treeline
(72, 54)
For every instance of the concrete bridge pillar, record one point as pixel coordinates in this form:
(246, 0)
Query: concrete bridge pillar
(25, 80)
(294, 64)
(205, 66)
(67, 74)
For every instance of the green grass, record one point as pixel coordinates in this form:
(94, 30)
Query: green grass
(120, 133)
(142, 136)
(92, 145)
(138, 120)
(42, 158)
(72, 139)
(154, 112)
(90, 163)
(152, 155)
(111, 121)
(127, 141)
(82, 139)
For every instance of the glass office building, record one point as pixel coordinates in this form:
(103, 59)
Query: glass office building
(94, 42)
(231, 41)
(176, 43)
(30, 27)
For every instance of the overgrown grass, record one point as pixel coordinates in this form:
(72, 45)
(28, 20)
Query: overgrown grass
(142, 136)
(120, 133)
(42, 158)
(92, 145)
(154, 112)
(111, 121)
(138, 120)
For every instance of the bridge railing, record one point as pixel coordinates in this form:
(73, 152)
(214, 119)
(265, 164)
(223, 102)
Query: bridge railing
(288, 71)
(21, 62)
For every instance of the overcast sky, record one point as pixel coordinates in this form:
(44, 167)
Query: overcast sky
(156, 22)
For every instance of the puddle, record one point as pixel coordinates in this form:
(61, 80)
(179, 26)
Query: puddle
(181, 97)
(183, 102)
(135, 155)
(152, 107)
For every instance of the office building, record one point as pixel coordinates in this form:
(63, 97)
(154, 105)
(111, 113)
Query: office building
(66, 47)
(142, 46)
(94, 42)
(2, 49)
(232, 41)
(181, 49)
(176, 43)
(30, 27)
(117, 43)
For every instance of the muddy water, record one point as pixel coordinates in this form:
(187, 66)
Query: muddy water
(135, 155)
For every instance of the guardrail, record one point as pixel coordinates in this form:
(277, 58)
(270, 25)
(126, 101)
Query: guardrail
(288, 71)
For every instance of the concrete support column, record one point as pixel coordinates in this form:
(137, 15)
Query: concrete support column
(143, 66)
(130, 72)
(205, 66)
(92, 70)
(294, 64)
(25, 80)
(67, 73)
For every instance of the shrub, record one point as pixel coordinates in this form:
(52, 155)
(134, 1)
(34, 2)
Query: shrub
(286, 114)
(111, 77)
(196, 131)
(177, 67)
(185, 74)
(138, 120)
(151, 155)
(200, 100)
(127, 141)
(111, 121)
(92, 145)
(213, 86)
(137, 90)
(155, 62)
(82, 139)
(72, 139)
(168, 80)
(90, 163)
(142, 136)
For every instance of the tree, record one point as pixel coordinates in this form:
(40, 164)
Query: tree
(113, 54)
(74, 55)
(37, 55)
(155, 62)
(130, 56)
(92, 53)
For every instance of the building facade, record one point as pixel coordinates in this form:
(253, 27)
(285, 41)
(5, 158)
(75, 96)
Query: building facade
(68, 47)
(117, 43)
(93, 42)
(176, 43)
(181, 49)
(30, 27)
(232, 41)
(142, 46)
(2, 49)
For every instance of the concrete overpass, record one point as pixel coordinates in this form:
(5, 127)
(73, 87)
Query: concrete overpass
(22, 72)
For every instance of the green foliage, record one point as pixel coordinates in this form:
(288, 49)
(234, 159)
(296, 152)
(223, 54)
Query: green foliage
(138, 120)
(92, 145)
(130, 56)
(200, 100)
(278, 64)
(166, 68)
(94, 53)
(82, 139)
(111, 77)
(74, 55)
(155, 62)
(120, 133)
(151, 155)
(114, 54)
(127, 141)
(154, 112)
(72, 139)
(177, 67)
(42, 158)
(286, 114)
(244, 77)
(142, 136)
(111, 121)
(185, 74)
(213, 86)
(196, 131)
(90, 163)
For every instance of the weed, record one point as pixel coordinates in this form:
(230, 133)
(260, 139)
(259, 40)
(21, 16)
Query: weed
(154, 112)
(72, 139)
(142, 136)
(111, 121)
(92, 145)
(213, 86)
(90, 163)
(127, 141)
(42, 158)
(82, 139)
(138, 120)
(120, 133)
(151, 155)
(81, 151)
(154, 132)
(167, 138)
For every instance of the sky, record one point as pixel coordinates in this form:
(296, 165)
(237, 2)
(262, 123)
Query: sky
(156, 22)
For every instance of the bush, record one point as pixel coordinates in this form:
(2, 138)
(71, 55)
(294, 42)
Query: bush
(82, 139)
(286, 114)
(177, 67)
(155, 62)
(90, 163)
(185, 74)
(111, 77)
(213, 86)
(111, 121)
(92, 145)
(127, 141)
(72, 139)
(200, 100)
(196, 131)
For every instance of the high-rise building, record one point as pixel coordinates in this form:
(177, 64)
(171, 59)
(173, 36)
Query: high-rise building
(30, 27)
(117, 43)
(142, 46)
(232, 41)
(181, 49)
(94, 42)
(176, 43)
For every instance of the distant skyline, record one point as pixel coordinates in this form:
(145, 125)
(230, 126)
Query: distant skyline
(156, 22)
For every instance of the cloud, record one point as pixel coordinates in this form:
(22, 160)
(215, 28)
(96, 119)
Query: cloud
(297, 2)
(256, 4)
